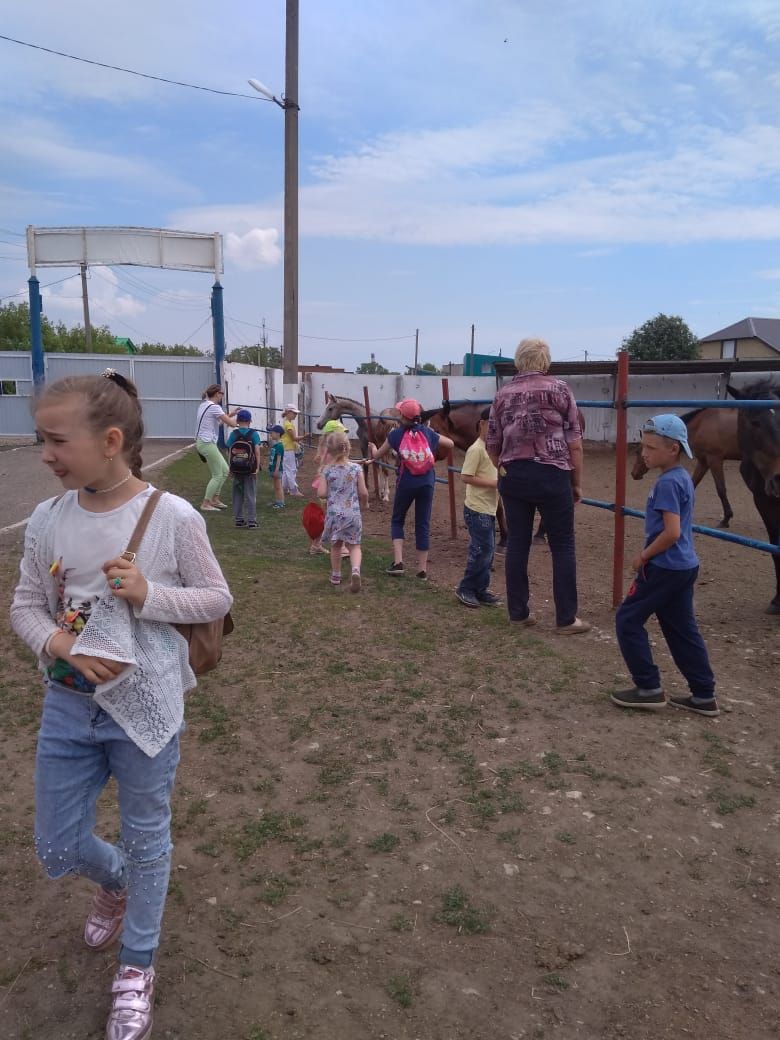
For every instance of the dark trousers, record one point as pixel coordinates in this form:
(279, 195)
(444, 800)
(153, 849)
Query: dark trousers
(526, 487)
(422, 496)
(482, 545)
(669, 595)
(245, 497)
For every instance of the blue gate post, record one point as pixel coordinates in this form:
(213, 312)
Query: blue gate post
(36, 335)
(218, 325)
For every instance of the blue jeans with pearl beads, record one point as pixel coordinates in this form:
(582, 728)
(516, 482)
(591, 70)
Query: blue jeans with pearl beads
(80, 748)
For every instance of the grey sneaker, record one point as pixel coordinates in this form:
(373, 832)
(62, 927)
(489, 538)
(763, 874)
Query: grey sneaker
(647, 700)
(708, 708)
(468, 599)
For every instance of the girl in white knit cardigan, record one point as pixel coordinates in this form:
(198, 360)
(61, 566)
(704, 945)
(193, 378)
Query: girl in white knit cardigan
(116, 670)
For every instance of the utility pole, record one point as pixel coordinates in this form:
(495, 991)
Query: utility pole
(416, 346)
(290, 366)
(85, 300)
(471, 371)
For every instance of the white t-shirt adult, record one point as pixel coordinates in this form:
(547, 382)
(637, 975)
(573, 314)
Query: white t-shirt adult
(208, 429)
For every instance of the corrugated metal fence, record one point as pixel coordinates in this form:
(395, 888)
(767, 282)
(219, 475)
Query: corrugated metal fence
(170, 388)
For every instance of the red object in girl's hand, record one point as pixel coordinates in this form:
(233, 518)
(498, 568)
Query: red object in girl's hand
(313, 519)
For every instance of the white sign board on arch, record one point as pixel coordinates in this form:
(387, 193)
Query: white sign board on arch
(139, 247)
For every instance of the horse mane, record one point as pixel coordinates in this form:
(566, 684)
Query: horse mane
(349, 400)
(686, 418)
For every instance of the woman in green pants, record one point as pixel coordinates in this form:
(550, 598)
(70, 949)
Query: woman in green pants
(210, 415)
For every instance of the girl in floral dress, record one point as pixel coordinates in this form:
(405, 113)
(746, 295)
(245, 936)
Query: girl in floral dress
(342, 482)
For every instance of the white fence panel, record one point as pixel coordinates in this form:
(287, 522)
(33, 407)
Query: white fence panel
(258, 389)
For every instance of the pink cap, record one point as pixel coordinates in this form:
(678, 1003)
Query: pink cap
(409, 408)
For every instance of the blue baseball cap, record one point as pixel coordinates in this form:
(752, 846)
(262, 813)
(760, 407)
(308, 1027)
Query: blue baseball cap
(276, 428)
(670, 426)
(244, 415)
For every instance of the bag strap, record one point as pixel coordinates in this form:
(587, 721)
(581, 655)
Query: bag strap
(140, 528)
(205, 412)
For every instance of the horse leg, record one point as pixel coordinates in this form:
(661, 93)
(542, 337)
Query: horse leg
(716, 465)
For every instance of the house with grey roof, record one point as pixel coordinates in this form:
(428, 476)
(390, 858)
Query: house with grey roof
(749, 338)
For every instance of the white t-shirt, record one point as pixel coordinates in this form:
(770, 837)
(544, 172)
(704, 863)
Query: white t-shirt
(208, 430)
(83, 541)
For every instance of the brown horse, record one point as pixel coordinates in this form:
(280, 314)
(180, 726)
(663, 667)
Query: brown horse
(335, 407)
(759, 441)
(712, 435)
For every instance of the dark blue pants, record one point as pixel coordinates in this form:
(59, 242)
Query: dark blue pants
(422, 496)
(669, 595)
(526, 487)
(482, 545)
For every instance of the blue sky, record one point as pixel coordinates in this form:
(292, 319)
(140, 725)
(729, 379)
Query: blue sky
(562, 170)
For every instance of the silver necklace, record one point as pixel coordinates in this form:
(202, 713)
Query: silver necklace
(105, 491)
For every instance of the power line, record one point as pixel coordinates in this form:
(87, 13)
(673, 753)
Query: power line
(329, 339)
(24, 292)
(8, 231)
(206, 319)
(132, 72)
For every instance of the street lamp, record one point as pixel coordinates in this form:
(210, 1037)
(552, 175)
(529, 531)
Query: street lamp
(289, 105)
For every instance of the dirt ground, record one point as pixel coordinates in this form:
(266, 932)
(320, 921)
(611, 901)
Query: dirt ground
(396, 818)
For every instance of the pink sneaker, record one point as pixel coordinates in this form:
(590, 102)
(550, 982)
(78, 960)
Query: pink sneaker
(131, 1015)
(105, 918)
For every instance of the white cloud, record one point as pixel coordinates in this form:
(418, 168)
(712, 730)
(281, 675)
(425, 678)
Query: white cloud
(259, 247)
(106, 300)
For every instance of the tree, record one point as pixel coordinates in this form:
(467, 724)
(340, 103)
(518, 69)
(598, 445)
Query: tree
(431, 368)
(666, 337)
(177, 349)
(372, 368)
(15, 335)
(258, 354)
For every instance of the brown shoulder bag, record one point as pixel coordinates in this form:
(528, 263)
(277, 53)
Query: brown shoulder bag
(204, 638)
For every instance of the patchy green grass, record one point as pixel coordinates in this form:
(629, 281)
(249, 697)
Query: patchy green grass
(458, 911)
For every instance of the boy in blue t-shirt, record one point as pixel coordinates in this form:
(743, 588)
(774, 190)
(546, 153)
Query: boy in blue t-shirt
(245, 479)
(667, 568)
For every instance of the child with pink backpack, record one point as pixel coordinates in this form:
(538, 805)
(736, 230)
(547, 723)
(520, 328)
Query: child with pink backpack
(416, 446)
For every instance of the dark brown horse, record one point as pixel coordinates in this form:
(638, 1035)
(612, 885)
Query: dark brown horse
(712, 435)
(759, 441)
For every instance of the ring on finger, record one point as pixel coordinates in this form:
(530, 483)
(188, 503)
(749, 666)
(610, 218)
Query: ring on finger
(117, 583)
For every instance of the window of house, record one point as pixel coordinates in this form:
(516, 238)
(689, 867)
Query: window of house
(728, 348)
(8, 387)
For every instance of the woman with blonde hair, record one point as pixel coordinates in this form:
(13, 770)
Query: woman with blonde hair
(534, 437)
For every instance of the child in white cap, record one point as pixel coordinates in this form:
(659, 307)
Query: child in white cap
(290, 442)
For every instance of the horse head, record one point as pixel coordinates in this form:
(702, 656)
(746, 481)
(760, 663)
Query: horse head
(759, 433)
(639, 468)
(330, 410)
